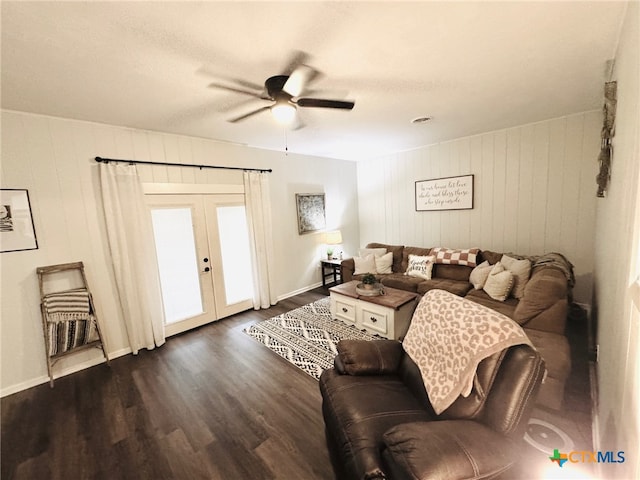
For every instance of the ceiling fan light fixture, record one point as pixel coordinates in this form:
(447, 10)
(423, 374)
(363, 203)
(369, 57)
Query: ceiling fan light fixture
(284, 113)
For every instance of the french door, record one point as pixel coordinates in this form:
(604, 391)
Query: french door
(202, 245)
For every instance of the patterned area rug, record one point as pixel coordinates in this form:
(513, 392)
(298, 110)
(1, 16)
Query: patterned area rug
(306, 336)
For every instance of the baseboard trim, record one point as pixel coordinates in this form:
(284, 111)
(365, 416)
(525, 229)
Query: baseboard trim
(34, 382)
(299, 291)
(595, 419)
(10, 390)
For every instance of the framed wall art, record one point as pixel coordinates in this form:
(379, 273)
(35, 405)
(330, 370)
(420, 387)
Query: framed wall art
(450, 193)
(17, 231)
(311, 216)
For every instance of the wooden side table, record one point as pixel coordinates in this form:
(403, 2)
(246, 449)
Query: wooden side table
(330, 268)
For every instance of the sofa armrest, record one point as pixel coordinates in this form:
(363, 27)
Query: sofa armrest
(368, 357)
(448, 449)
(544, 305)
(347, 267)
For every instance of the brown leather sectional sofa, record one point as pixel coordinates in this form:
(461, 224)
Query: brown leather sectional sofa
(542, 310)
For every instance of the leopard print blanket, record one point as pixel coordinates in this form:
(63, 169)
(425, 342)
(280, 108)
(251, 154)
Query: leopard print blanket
(449, 336)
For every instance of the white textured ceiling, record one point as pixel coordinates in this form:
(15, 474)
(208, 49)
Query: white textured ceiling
(472, 66)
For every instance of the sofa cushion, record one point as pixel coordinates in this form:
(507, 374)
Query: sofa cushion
(521, 270)
(479, 274)
(491, 257)
(376, 252)
(384, 263)
(506, 308)
(554, 350)
(364, 265)
(397, 254)
(456, 287)
(401, 281)
(451, 256)
(452, 272)
(423, 252)
(499, 283)
(420, 266)
(426, 450)
(546, 288)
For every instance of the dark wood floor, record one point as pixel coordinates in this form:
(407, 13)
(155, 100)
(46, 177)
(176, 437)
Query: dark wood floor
(212, 403)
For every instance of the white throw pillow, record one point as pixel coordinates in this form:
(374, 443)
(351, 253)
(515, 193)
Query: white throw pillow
(376, 252)
(479, 275)
(521, 270)
(499, 283)
(420, 266)
(364, 265)
(384, 263)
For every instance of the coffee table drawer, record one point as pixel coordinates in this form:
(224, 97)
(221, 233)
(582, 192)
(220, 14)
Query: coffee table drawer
(343, 308)
(376, 319)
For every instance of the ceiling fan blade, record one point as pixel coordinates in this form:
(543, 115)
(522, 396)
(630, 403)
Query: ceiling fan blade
(297, 123)
(250, 114)
(299, 79)
(220, 86)
(296, 59)
(318, 102)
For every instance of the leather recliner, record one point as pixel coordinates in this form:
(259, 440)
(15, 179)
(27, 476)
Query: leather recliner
(379, 422)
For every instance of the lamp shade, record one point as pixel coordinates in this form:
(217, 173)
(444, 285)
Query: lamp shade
(333, 238)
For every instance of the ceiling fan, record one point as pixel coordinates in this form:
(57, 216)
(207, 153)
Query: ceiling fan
(284, 94)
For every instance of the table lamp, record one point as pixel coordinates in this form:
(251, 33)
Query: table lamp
(332, 238)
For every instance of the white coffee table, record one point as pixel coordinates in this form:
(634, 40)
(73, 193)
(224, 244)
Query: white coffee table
(386, 315)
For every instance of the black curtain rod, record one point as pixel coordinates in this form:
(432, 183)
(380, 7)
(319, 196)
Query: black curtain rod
(115, 160)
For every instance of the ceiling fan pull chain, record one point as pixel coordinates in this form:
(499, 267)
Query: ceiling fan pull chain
(286, 143)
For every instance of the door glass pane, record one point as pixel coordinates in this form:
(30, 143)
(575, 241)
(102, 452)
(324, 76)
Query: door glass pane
(236, 256)
(177, 262)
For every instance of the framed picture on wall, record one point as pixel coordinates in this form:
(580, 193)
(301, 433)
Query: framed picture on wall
(16, 222)
(311, 216)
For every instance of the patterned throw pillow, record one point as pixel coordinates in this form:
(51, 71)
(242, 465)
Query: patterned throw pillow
(479, 275)
(420, 266)
(468, 256)
(499, 283)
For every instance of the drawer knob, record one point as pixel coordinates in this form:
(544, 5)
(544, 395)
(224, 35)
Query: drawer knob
(344, 310)
(373, 319)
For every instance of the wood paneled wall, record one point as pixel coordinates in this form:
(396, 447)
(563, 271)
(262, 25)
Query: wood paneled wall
(617, 293)
(534, 192)
(53, 159)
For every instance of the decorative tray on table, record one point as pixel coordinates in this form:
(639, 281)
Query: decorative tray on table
(370, 290)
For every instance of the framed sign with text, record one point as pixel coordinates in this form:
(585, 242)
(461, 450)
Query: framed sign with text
(450, 193)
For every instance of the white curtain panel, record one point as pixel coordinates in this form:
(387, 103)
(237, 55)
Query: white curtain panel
(258, 205)
(133, 253)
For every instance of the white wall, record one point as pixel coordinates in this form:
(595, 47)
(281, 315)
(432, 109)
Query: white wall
(534, 192)
(53, 159)
(618, 265)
